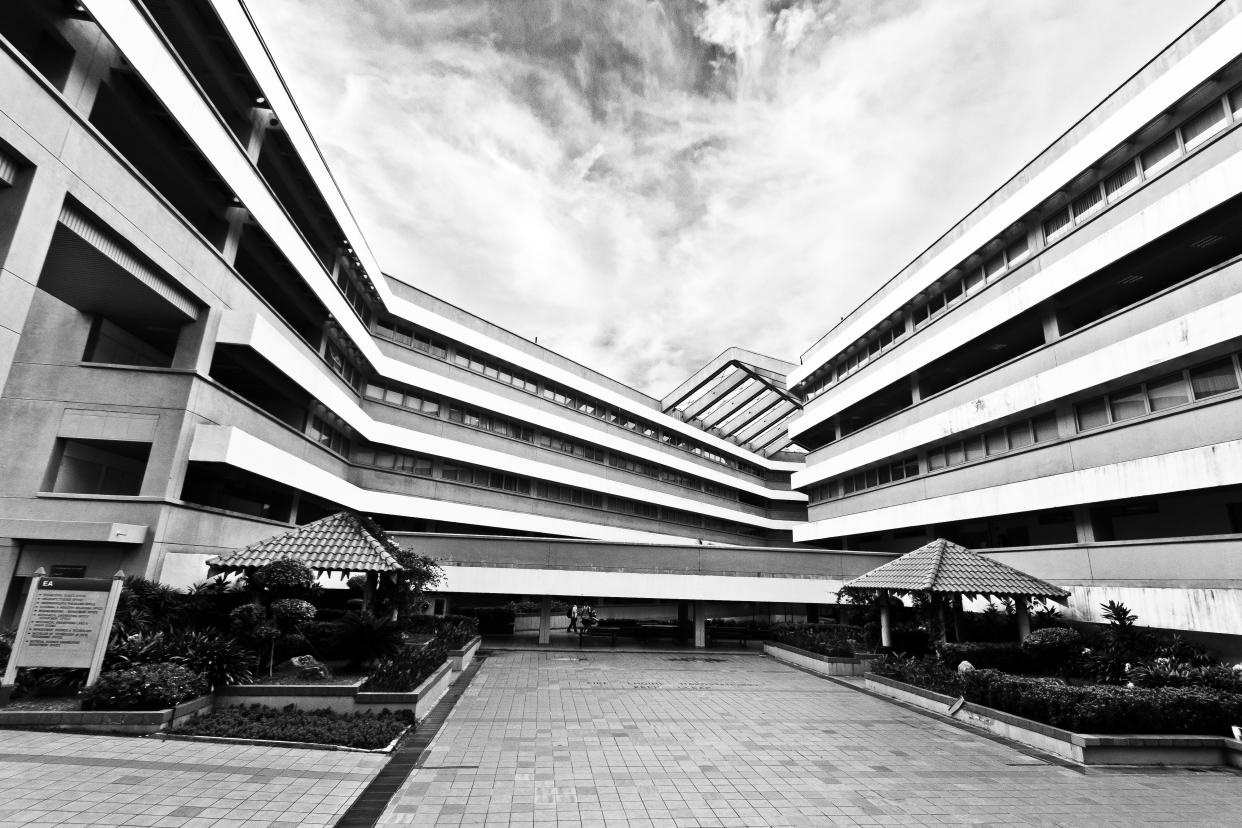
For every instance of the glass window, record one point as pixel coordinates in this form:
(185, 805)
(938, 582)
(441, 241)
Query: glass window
(1128, 404)
(375, 392)
(953, 291)
(912, 466)
(1120, 181)
(994, 265)
(392, 395)
(1088, 203)
(1161, 154)
(974, 448)
(974, 278)
(1235, 101)
(1203, 125)
(1057, 223)
(1093, 414)
(935, 460)
(1045, 428)
(1017, 251)
(1213, 378)
(996, 442)
(1020, 435)
(430, 407)
(955, 454)
(884, 474)
(1167, 392)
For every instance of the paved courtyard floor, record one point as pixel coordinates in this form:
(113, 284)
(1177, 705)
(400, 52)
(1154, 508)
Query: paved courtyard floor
(71, 779)
(598, 738)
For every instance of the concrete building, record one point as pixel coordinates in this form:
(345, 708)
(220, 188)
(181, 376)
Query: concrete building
(198, 350)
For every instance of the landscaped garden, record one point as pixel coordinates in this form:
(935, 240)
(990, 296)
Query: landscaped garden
(1118, 679)
(272, 631)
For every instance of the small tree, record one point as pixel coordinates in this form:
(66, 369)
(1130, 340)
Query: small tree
(418, 573)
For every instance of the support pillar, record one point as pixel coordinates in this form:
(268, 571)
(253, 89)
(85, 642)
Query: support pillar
(1022, 611)
(683, 619)
(368, 591)
(959, 626)
(941, 619)
(1083, 526)
(700, 625)
(886, 625)
(545, 620)
(1048, 319)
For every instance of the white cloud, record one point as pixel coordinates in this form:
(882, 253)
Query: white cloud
(641, 184)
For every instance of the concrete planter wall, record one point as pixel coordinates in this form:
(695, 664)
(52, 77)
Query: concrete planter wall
(460, 659)
(340, 698)
(1086, 748)
(109, 721)
(816, 663)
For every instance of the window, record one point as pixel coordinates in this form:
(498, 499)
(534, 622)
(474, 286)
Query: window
(974, 448)
(1167, 392)
(1093, 414)
(1121, 181)
(1045, 428)
(105, 467)
(1088, 203)
(974, 279)
(1235, 101)
(996, 442)
(1212, 379)
(994, 265)
(1161, 154)
(1057, 223)
(1017, 251)
(1127, 404)
(328, 436)
(1020, 435)
(1204, 125)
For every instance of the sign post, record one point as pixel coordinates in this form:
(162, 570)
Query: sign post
(66, 623)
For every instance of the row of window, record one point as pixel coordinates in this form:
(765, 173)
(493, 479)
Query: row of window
(518, 431)
(357, 298)
(1185, 138)
(345, 367)
(406, 335)
(519, 484)
(1198, 383)
(327, 434)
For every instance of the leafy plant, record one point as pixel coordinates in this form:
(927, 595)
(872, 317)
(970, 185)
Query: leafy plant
(285, 578)
(825, 639)
(125, 651)
(368, 639)
(407, 668)
(1053, 649)
(145, 687)
(220, 660)
(358, 730)
(291, 613)
(147, 606)
(1006, 656)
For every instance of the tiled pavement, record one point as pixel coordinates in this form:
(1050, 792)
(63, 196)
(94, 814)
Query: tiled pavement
(597, 738)
(69, 779)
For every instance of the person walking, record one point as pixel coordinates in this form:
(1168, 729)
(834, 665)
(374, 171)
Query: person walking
(573, 619)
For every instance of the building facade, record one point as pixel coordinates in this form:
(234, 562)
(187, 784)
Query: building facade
(198, 350)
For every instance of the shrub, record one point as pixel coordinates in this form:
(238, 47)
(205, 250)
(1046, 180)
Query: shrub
(406, 669)
(1165, 672)
(290, 612)
(983, 655)
(492, 620)
(147, 606)
(145, 687)
(1052, 649)
(284, 578)
(368, 639)
(357, 730)
(1083, 709)
(327, 639)
(125, 651)
(219, 660)
(824, 639)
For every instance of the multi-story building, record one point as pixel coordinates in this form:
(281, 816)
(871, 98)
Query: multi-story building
(198, 350)
(1056, 379)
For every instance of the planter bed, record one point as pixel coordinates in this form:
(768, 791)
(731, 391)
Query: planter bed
(460, 659)
(228, 740)
(108, 721)
(340, 698)
(824, 665)
(1085, 748)
(290, 727)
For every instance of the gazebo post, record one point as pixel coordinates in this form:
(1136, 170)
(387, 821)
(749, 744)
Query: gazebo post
(958, 625)
(368, 591)
(938, 603)
(886, 626)
(1024, 616)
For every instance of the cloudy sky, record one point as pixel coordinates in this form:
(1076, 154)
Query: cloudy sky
(642, 183)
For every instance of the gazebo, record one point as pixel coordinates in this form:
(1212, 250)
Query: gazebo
(943, 569)
(339, 543)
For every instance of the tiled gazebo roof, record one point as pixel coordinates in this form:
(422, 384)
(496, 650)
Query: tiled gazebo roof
(944, 567)
(339, 543)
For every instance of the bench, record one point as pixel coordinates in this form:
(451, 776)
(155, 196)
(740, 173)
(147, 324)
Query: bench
(599, 632)
(738, 634)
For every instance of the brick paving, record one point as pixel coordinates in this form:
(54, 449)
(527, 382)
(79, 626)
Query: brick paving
(597, 738)
(72, 779)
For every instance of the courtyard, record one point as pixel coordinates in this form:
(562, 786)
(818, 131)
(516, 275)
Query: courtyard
(611, 738)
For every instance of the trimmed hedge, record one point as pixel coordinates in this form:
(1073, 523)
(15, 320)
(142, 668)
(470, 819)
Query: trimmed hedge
(357, 730)
(1092, 708)
(455, 630)
(825, 639)
(145, 687)
(985, 655)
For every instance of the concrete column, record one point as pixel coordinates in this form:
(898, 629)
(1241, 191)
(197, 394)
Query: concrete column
(941, 617)
(9, 551)
(32, 217)
(959, 628)
(1083, 525)
(93, 59)
(700, 625)
(886, 625)
(197, 342)
(368, 591)
(545, 620)
(261, 119)
(1048, 317)
(916, 393)
(1022, 611)
(237, 216)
